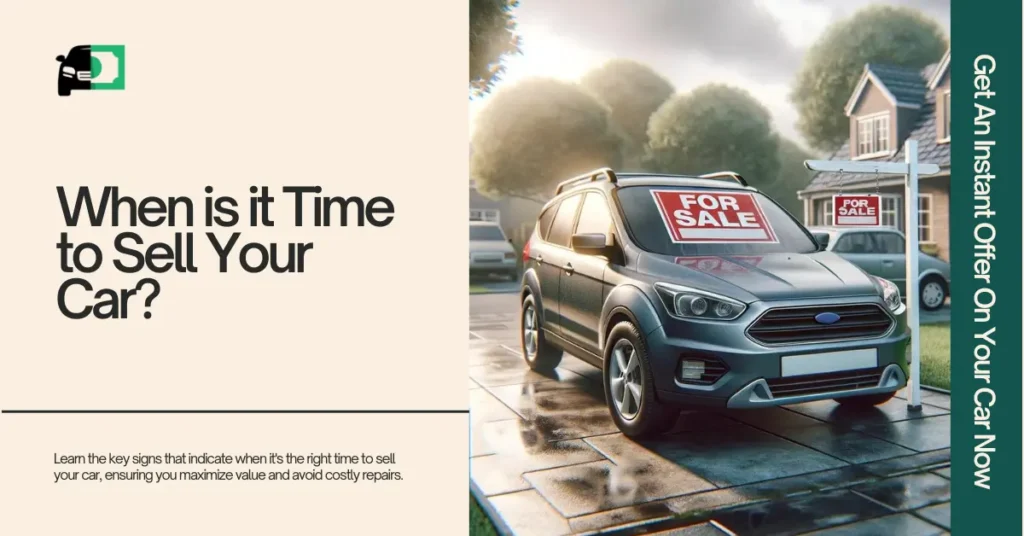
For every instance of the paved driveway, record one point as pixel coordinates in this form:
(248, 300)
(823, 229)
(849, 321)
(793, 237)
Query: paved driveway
(546, 458)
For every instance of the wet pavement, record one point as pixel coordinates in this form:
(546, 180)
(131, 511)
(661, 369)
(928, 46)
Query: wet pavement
(546, 457)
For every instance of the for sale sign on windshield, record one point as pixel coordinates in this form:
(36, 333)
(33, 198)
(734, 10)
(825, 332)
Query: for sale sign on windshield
(699, 216)
(857, 210)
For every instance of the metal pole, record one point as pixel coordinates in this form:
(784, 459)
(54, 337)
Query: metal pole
(913, 300)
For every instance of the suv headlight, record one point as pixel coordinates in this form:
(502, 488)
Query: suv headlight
(683, 302)
(890, 294)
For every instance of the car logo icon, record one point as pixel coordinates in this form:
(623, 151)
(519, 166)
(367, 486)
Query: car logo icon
(826, 318)
(92, 67)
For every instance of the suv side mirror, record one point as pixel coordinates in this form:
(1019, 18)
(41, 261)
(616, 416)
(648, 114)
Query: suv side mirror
(590, 243)
(822, 240)
(60, 58)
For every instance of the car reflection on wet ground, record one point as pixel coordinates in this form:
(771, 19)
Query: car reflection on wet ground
(547, 459)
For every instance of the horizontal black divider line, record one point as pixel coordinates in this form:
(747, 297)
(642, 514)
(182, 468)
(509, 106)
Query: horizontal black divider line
(151, 411)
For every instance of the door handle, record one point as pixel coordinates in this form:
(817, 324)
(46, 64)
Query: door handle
(568, 268)
(887, 263)
(539, 259)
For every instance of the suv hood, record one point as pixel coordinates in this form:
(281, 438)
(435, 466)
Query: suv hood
(773, 276)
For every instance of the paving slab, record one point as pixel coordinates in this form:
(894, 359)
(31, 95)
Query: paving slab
(484, 407)
(635, 478)
(938, 514)
(503, 472)
(837, 440)
(527, 513)
(733, 453)
(907, 492)
(799, 515)
(908, 464)
(897, 524)
(916, 434)
(559, 410)
(892, 411)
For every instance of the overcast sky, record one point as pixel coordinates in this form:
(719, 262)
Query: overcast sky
(754, 44)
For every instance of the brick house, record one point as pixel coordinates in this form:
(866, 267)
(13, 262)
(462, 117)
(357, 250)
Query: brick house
(888, 106)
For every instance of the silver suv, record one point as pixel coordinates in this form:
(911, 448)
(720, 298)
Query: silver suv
(702, 291)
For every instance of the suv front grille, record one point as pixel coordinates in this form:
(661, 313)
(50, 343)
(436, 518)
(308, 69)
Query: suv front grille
(825, 383)
(796, 325)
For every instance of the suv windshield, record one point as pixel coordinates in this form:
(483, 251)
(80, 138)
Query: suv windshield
(486, 233)
(651, 232)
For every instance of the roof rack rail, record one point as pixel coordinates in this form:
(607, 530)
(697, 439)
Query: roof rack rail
(731, 174)
(594, 175)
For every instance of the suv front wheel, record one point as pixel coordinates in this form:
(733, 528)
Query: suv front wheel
(539, 354)
(629, 385)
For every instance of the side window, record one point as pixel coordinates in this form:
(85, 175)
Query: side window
(561, 228)
(594, 216)
(854, 243)
(889, 243)
(544, 223)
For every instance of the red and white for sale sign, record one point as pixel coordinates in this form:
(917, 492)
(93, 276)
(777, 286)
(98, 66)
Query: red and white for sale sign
(857, 210)
(699, 216)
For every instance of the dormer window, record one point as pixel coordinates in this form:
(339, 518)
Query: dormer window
(873, 135)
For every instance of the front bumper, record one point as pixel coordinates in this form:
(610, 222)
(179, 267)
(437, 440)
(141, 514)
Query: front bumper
(753, 367)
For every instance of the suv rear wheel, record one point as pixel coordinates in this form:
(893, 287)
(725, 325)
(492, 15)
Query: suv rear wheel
(539, 354)
(629, 385)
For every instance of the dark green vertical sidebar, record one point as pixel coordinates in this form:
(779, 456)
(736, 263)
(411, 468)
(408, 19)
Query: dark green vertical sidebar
(985, 241)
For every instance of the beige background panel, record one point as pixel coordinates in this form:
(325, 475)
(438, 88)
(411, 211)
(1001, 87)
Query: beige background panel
(361, 98)
(433, 493)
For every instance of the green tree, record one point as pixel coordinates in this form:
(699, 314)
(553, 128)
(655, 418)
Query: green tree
(714, 128)
(538, 132)
(791, 178)
(833, 65)
(492, 36)
(632, 91)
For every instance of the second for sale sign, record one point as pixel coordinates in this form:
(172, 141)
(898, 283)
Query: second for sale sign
(857, 210)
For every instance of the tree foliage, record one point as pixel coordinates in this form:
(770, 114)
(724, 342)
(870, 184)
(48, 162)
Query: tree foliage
(538, 132)
(791, 178)
(833, 65)
(714, 128)
(632, 91)
(492, 36)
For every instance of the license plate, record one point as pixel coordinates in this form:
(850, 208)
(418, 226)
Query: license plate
(801, 365)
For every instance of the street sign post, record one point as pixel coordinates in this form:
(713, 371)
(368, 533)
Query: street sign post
(912, 169)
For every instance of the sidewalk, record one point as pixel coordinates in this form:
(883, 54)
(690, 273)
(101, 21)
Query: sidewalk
(547, 459)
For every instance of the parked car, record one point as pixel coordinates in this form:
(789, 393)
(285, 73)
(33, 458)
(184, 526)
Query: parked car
(739, 307)
(882, 252)
(490, 252)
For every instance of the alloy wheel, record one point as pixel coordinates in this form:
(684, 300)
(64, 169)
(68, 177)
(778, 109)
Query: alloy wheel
(932, 294)
(530, 331)
(627, 381)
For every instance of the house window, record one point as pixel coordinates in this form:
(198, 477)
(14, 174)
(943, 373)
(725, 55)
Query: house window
(924, 218)
(873, 134)
(823, 212)
(483, 214)
(891, 211)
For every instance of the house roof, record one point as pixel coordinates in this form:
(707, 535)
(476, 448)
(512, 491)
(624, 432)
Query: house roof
(903, 86)
(928, 149)
(939, 72)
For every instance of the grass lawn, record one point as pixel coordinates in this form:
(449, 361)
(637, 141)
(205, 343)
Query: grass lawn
(477, 289)
(479, 523)
(935, 355)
